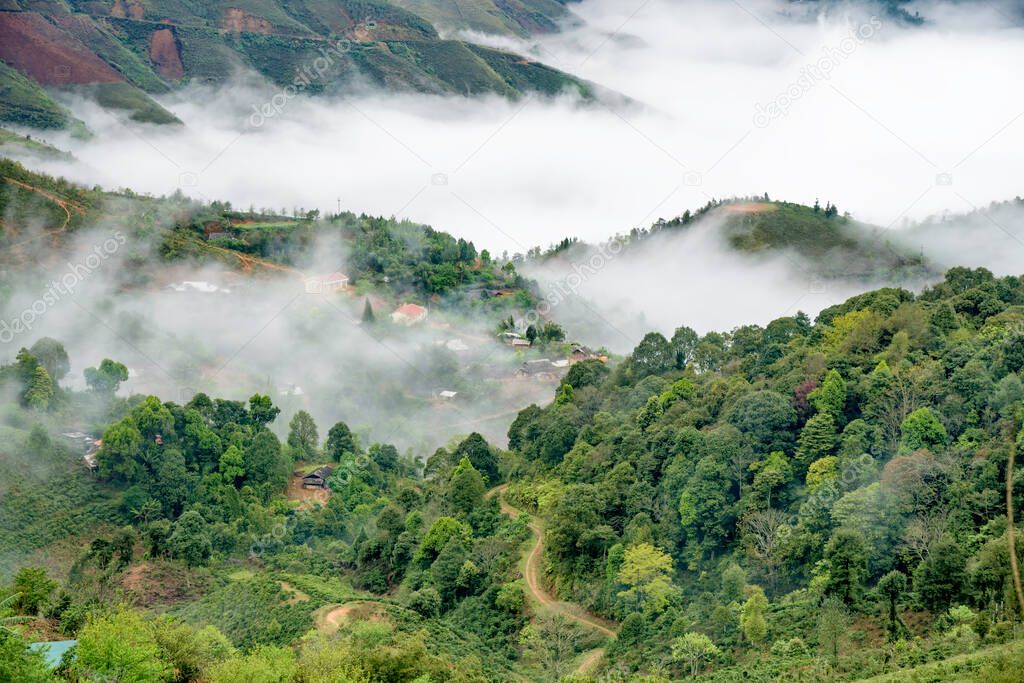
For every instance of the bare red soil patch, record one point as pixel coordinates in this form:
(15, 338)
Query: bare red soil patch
(239, 21)
(749, 207)
(163, 51)
(49, 55)
(306, 497)
(162, 583)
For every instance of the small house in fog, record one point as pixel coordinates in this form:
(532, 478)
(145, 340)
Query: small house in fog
(89, 445)
(317, 479)
(89, 458)
(326, 284)
(581, 353)
(541, 370)
(515, 340)
(409, 314)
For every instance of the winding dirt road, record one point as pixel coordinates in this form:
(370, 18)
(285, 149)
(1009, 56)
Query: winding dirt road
(531, 574)
(65, 204)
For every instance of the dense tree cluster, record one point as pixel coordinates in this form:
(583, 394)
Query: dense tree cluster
(820, 499)
(860, 459)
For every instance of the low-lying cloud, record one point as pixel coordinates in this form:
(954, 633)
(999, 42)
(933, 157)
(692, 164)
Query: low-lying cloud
(891, 122)
(869, 113)
(613, 296)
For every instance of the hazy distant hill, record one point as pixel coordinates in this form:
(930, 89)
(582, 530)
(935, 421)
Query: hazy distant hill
(820, 240)
(121, 51)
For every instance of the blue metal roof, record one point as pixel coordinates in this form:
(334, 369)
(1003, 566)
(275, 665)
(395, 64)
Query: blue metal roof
(53, 650)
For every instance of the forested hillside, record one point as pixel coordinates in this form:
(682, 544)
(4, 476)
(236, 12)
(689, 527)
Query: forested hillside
(414, 259)
(829, 493)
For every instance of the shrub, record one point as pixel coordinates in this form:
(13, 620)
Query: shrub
(426, 601)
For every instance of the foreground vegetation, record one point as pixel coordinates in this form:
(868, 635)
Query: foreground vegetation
(797, 498)
(804, 501)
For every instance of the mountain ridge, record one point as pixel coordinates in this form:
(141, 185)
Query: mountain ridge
(140, 50)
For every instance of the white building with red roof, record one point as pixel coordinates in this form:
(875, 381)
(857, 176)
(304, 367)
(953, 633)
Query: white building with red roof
(409, 314)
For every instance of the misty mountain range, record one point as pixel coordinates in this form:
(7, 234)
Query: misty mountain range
(121, 52)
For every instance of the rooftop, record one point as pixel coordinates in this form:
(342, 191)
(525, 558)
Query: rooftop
(410, 309)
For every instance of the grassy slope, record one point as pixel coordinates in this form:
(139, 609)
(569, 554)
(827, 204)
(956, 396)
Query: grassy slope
(457, 66)
(134, 66)
(996, 664)
(127, 97)
(24, 103)
(45, 502)
(525, 76)
(20, 144)
(517, 18)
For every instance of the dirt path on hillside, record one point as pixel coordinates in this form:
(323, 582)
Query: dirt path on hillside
(64, 204)
(248, 262)
(331, 620)
(533, 581)
(295, 596)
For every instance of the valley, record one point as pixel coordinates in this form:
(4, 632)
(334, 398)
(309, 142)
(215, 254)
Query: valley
(559, 341)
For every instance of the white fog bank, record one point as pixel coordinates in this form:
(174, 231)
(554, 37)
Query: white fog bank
(889, 121)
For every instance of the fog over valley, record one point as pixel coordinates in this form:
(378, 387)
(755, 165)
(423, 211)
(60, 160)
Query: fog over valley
(725, 101)
(478, 341)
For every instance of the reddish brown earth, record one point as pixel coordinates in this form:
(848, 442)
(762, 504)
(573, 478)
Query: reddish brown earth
(239, 20)
(749, 207)
(306, 498)
(132, 8)
(163, 52)
(47, 54)
(163, 583)
(330, 619)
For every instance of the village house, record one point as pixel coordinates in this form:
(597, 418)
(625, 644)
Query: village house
(326, 284)
(317, 479)
(541, 370)
(409, 314)
(88, 443)
(581, 353)
(515, 340)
